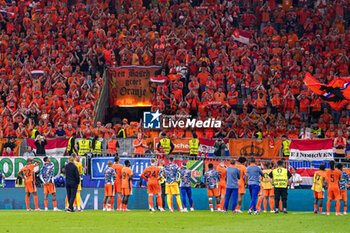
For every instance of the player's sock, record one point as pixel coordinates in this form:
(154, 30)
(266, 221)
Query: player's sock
(272, 203)
(150, 201)
(104, 206)
(78, 200)
(238, 207)
(345, 209)
(315, 207)
(265, 204)
(45, 203)
(36, 202)
(119, 201)
(337, 207)
(54, 203)
(222, 203)
(328, 206)
(75, 202)
(67, 204)
(169, 201)
(108, 206)
(320, 209)
(178, 202)
(211, 206)
(159, 201)
(258, 205)
(27, 202)
(217, 206)
(112, 203)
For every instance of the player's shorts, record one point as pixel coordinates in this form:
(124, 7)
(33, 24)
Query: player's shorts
(126, 191)
(117, 187)
(318, 195)
(153, 188)
(213, 192)
(49, 188)
(172, 189)
(344, 195)
(269, 193)
(79, 187)
(109, 190)
(30, 187)
(222, 189)
(334, 194)
(241, 189)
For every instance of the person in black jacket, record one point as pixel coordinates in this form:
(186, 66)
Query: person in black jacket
(72, 182)
(40, 143)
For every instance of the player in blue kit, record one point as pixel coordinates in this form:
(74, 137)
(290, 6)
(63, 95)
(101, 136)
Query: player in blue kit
(253, 176)
(171, 174)
(232, 177)
(47, 174)
(185, 186)
(211, 179)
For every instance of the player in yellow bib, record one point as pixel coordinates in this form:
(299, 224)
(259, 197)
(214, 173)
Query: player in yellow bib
(317, 186)
(268, 189)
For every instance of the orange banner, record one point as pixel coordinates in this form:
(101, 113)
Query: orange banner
(17, 143)
(129, 86)
(180, 145)
(258, 148)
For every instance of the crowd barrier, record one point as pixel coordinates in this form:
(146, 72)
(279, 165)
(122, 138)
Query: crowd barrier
(91, 198)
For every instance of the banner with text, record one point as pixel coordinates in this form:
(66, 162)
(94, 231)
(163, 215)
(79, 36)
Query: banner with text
(258, 148)
(10, 166)
(129, 86)
(99, 164)
(311, 150)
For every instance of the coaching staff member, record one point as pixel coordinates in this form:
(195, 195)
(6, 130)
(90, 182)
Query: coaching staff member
(72, 182)
(280, 178)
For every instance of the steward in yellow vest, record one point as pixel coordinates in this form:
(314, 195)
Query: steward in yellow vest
(280, 178)
(96, 146)
(83, 146)
(72, 146)
(194, 146)
(166, 144)
(285, 146)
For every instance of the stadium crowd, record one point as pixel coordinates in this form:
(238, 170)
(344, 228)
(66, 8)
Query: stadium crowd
(53, 54)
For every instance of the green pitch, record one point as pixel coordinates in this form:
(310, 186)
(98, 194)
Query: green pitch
(144, 221)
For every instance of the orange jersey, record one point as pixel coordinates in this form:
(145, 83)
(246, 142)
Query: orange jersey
(222, 172)
(332, 178)
(118, 171)
(28, 172)
(151, 173)
(126, 173)
(242, 170)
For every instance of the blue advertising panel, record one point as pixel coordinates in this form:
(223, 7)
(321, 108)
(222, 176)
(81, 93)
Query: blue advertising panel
(98, 165)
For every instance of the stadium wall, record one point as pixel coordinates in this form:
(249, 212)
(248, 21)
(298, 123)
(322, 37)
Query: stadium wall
(14, 198)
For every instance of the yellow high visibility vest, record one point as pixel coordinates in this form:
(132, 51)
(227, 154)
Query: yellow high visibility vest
(70, 147)
(33, 133)
(165, 143)
(84, 146)
(194, 146)
(98, 147)
(285, 144)
(280, 177)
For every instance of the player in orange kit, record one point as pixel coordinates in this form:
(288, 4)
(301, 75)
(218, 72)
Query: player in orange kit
(222, 183)
(126, 184)
(29, 178)
(332, 178)
(241, 182)
(151, 174)
(117, 183)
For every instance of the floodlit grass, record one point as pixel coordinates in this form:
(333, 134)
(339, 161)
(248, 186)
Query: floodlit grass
(144, 221)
